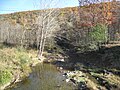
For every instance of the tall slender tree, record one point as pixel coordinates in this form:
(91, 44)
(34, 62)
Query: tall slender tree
(47, 23)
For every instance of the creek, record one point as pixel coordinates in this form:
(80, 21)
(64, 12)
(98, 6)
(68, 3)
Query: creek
(43, 77)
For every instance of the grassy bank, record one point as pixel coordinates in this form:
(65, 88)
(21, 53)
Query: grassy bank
(15, 63)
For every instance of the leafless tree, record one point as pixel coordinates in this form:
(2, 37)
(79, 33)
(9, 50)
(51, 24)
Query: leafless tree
(46, 22)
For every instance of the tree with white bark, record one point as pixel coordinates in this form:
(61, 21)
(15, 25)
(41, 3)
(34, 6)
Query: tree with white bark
(46, 23)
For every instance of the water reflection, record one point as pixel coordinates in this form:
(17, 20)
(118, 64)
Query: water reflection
(44, 77)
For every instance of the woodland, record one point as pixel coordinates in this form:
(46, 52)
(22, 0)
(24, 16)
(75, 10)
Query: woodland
(83, 40)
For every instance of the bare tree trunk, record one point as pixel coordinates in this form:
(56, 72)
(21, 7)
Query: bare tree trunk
(46, 23)
(22, 38)
(40, 45)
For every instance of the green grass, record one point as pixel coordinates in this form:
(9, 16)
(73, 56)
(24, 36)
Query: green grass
(5, 77)
(15, 60)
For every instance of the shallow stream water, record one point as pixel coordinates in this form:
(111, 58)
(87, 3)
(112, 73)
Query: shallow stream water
(43, 77)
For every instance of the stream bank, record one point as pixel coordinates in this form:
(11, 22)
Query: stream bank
(43, 77)
(94, 70)
(15, 64)
(81, 71)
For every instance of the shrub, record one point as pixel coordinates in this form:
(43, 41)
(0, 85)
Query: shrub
(24, 59)
(99, 33)
(5, 76)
